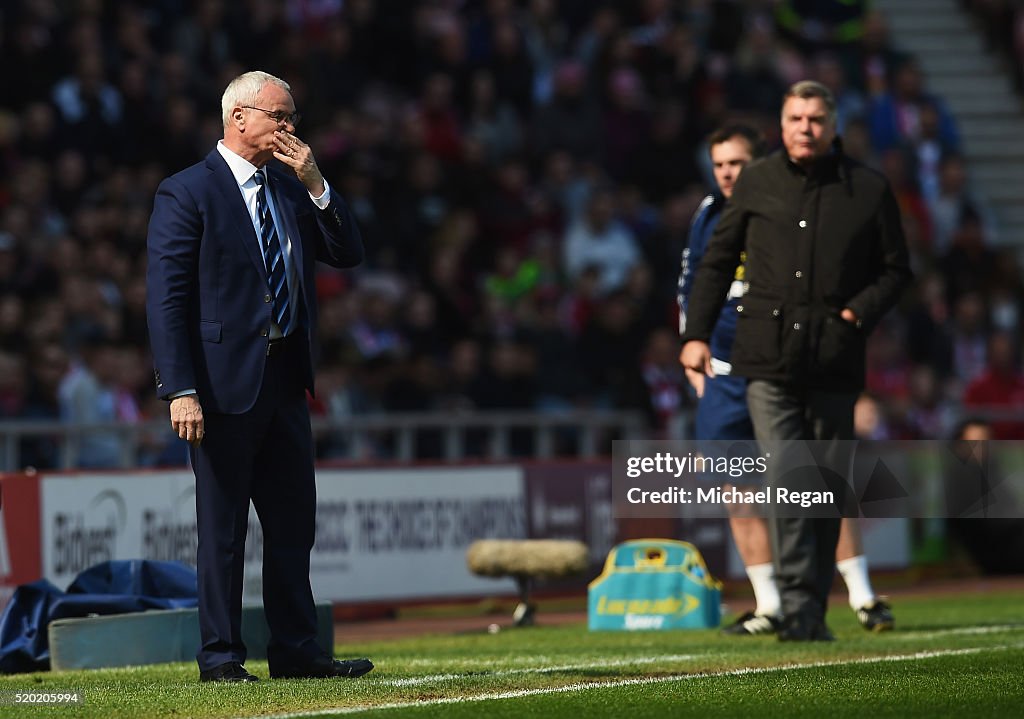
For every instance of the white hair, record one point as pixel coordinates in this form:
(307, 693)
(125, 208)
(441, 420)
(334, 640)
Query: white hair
(244, 89)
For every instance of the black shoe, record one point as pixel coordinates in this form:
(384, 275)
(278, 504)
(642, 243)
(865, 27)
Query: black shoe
(751, 624)
(804, 628)
(227, 672)
(876, 616)
(323, 668)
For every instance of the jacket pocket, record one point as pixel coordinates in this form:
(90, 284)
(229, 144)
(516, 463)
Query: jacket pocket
(210, 330)
(841, 346)
(758, 337)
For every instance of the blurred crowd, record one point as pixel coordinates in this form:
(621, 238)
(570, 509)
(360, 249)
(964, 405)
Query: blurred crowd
(1002, 22)
(524, 174)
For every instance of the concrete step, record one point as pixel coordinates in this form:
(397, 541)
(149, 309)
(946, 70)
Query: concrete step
(1011, 212)
(999, 192)
(1013, 240)
(970, 136)
(944, 53)
(983, 105)
(959, 41)
(940, 21)
(916, 7)
(1010, 216)
(922, 5)
(985, 173)
(995, 149)
(1010, 236)
(947, 64)
(1010, 225)
(991, 168)
(970, 86)
(1009, 125)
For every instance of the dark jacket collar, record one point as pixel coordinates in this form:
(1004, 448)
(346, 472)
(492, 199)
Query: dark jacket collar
(833, 166)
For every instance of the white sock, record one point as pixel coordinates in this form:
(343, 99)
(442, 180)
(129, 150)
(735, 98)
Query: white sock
(766, 592)
(858, 585)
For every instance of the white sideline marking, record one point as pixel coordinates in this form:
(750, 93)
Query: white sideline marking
(641, 681)
(528, 662)
(413, 681)
(972, 631)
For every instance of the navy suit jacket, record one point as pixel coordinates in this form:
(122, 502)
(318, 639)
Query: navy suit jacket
(207, 301)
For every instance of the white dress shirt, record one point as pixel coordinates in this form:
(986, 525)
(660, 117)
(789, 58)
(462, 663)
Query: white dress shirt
(244, 173)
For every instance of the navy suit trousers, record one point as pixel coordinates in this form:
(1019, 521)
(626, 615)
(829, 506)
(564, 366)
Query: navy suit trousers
(266, 455)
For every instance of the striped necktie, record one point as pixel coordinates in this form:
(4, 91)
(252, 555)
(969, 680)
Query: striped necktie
(274, 258)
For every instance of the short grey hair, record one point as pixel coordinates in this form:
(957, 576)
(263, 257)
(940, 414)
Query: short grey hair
(806, 89)
(244, 89)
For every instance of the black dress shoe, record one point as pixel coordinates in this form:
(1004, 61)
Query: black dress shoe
(323, 668)
(804, 628)
(227, 672)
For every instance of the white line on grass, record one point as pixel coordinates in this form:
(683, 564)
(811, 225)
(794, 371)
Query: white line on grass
(414, 681)
(642, 681)
(971, 631)
(526, 661)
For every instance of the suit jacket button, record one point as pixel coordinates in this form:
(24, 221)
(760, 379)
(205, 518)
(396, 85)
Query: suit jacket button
(267, 298)
(264, 333)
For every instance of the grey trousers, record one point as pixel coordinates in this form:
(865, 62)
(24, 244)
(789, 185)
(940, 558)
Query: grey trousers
(803, 547)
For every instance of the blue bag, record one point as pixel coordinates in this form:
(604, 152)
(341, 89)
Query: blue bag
(113, 587)
(654, 584)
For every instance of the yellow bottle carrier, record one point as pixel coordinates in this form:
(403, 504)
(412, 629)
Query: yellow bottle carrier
(654, 584)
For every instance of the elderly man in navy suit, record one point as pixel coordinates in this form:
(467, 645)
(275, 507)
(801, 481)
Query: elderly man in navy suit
(232, 312)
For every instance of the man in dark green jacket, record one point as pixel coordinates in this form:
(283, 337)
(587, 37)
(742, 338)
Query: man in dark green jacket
(825, 259)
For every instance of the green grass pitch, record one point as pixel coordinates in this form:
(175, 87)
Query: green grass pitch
(957, 656)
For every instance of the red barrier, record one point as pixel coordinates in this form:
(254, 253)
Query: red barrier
(20, 533)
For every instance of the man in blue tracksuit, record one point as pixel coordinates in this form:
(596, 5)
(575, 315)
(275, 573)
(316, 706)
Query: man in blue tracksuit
(722, 410)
